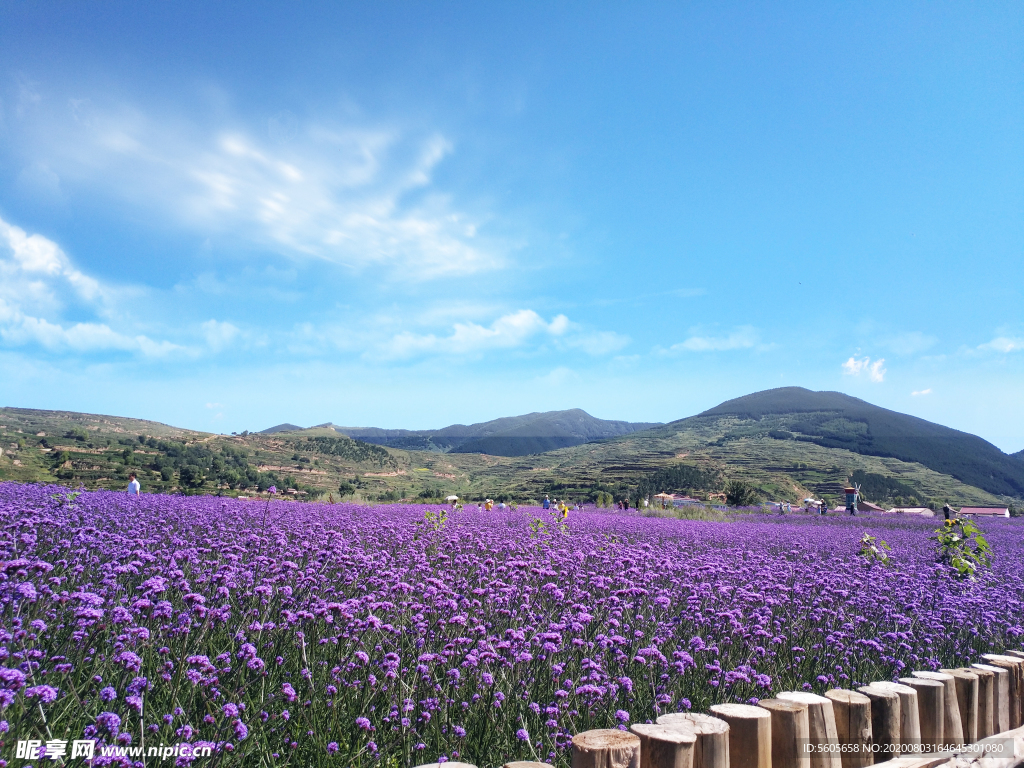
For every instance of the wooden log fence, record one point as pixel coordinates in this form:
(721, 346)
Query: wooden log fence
(886, 712)
(952, 727)
(910, 719)
(662, 746)
(711, 748)
(878, 725)
(1000, 696)
(930, 709)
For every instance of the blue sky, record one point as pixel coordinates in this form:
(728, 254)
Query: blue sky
(224, 216)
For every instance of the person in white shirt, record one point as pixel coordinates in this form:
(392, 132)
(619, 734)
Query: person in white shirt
(134, 489)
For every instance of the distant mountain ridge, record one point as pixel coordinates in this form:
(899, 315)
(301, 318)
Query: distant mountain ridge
(835, 420)
(523, 435)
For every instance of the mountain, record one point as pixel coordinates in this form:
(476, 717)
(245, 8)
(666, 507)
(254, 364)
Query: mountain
(1018, 455)
(835, 420)
(787, 444)
(784, 444)
(523, 435)
(281, 428)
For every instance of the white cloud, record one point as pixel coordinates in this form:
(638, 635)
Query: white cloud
(875, 371)
(38, 279)
(1004, 344)
(598, 342)
(219, 334)
(921, 392)
(509, 331)
(744, 337)
(19, 329)
(349, 195)
(33, 269)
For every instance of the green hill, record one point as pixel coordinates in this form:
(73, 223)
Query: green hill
(281, 428)
(784, 444)
(787, 444)
(835, 420)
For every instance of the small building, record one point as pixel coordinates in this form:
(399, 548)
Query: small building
(984, 512)
(919, 511)
(867, 506)
(685, 501)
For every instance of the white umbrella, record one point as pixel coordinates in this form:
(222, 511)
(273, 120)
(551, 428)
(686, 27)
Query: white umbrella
(451, 498)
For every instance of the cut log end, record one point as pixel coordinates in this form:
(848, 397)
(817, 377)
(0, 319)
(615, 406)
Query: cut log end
(700, 724)
(664, 733)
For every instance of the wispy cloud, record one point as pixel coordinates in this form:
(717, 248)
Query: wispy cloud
(514, 330)
(219, 334)
(350, 195)
(744, 337)
(507, 332)
(921, 392)
(875, 371)
(1004, 344)
(596, 343)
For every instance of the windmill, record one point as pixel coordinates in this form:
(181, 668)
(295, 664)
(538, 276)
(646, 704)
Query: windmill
(852, 496)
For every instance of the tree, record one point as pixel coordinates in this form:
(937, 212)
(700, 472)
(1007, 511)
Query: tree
(740, 494)
(191, 476)
(346, 488)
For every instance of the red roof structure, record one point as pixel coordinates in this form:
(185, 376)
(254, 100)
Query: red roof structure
(984, 512)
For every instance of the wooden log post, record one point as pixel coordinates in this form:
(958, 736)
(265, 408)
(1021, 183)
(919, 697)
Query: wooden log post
(662, 746)
(606, 748)
(791, 733)
(986, 701)
(1000, 696)
(931, 697)
(821, 721)
(853, 726)
(910, 720)
(967, 692)
(1019, 656)
(750, 734)
(952, 726)
(886, 713)
(1013, 666)
(711, 749)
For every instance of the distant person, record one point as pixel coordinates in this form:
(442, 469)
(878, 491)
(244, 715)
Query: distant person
(134, 489)
(501, 505)
(945, 511)
(547, 503)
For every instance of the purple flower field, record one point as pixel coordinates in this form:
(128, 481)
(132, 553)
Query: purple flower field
(311, 634)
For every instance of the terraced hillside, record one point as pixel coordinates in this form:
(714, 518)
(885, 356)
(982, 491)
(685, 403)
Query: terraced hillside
(741, 440)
